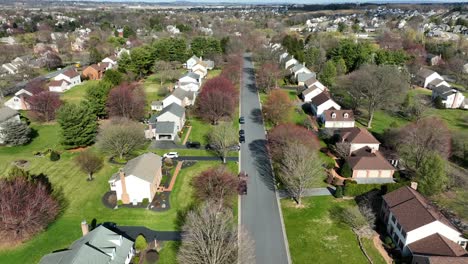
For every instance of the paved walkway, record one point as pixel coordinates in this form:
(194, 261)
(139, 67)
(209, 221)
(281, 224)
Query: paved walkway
(174, 176)
(381, 249)
(187, 135)
(310, 192)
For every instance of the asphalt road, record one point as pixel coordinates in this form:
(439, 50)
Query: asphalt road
(259, 213)
(206, 158)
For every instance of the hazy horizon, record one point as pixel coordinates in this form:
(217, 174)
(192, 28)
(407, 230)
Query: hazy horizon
(279, 1)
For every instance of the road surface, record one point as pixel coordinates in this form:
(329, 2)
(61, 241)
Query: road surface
(259, 212)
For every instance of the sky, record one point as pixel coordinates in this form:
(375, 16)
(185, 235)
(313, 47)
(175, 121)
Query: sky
(288, 1)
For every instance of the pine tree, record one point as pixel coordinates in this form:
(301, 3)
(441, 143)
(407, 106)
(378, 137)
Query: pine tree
(328, 74)
(96, 97)
(79, 125)
(15, 133)
(432, 175)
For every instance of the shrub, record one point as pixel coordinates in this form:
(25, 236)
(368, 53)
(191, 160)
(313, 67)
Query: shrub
(328, 162)
(145, 201)
(346, 171)
(438, 103)
(119, 202)
(54, 155)
(339, 191)
(389, 242)
(140, 243)
(353, 189)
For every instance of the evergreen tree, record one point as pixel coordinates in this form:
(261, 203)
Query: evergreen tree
(328, 74)
(432, 175)
(113, 77)
(15, 133)
(94, 55)
(96, 98)
(340, 67)
(79, 125)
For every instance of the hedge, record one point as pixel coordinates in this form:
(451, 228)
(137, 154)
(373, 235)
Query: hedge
(353, 189)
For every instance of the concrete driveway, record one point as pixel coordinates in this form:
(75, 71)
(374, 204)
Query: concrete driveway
(260, 213)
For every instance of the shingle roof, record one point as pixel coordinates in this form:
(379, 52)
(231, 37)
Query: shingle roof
(302, 77)
(195, 58)
(144, 167)
(181, 94)
(165, 127)
(366, 159)
(358, 135)
(191, 75)
(55, 83)
(310, 89)
(95, 247)
(339, 115)
(425, 73)
(310, 81)
(321, 98)
(71, 73)
(156, 103)
(437, 245)
(173, 108)
(7, 113)
(442, 89)
(446, 260)
(412, 210)
(435, 82)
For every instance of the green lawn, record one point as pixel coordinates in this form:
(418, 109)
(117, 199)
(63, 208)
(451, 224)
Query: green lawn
(313, 235)
(84, 198)
(77, 93)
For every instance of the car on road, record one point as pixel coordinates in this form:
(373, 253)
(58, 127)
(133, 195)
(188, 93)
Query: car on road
(193, 144)
(241, 132)
(242, 139)
(241, 120)
(242, 187)
(171, 155)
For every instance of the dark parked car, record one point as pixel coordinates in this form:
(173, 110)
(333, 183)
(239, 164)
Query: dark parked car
(241, 120)
(241, 132)
(209, 147)
(242, 187)
(234, 147)
(242, 139)
(193, 144)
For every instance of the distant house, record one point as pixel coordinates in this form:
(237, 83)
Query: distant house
(338, 118)
(359, 138)
(15, 65)
(59, 86)
(188, 86)
(283, 56)
(310, 93)
(191, 62)
(172, 113)
(190, 77)
(451, 98)
(20, 100)
(289, 62)
(370, 166)
(313, 82)
(200, 69)
(112, 60)
(301, 78)
(71, 76)
(417, 228)
(98, 246)
(166, 124)
(434, 60)
(426, 76)
(138, 180)
(181, 97)
(323, 102)
(156, 105)
(209, 64)
(7, 115)
(96, 71)
(299, 68)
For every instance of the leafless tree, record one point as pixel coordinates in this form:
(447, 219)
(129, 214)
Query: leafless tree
(121, 137)
(89, 163)
(165, 69)
(211, 237)
(299, 169)
(342, 149)
(222, 138)
(216, 184)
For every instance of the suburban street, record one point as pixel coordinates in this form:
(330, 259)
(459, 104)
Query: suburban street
(259, 213)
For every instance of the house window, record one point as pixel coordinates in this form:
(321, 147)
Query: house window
(393, 219)
(395, 237)
(345, 115)
(112, 184)
(400, 244)
(16, 100)
(333, 115)
(398, 226)
(463, 244)
(403, 233)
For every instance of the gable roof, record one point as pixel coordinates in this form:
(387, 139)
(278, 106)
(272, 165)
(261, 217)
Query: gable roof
(340, 115)
(174, 109)
(55, 83)
(445, 260)
(191, 75)
(194, 57)
(71, 73)
(435, 82)
(358, 135)
(304, 76)
(412, 210)
(310, 89)
(320, 99)
(442, 89)
(310, 81)
(297, 67)
(143, 167)
(366, 159)
(181, 94)
(7, 113)
(437, 245)
(424, 73)
(95, 247)
(165, 127)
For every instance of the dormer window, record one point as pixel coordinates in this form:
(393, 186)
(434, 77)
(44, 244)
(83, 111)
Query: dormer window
(333, 115)
(345, 115)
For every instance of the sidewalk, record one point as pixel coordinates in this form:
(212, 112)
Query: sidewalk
(173, 179)
(310, 192)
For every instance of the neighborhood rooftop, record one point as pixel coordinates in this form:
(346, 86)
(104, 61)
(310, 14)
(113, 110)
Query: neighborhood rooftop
(358, 135)
(7, 113)
(142, 167)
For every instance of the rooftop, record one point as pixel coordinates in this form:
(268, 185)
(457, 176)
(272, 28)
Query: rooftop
(437, 245)
(143, 167)
(366, 159)
(357, 135)
(7, 113)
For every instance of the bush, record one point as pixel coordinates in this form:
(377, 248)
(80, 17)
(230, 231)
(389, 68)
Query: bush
(54, 155)
(140, 243)
(339, 191)
(346, 171)
(119, 202)
(389, 242)
(328, 162)
(438, 103)
(353, 189)
(145, 201)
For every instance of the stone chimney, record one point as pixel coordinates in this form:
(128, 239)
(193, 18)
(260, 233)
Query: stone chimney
(84, 227)
(125, 197)
(414, 185)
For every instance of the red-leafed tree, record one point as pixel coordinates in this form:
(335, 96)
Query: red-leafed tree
(36, 86)
(281, 135)
(44, 106)
(215, 184)
(277, 108)
(217, 100)
(27, 208)
(232, 70)
(127, 100)
(267, 76)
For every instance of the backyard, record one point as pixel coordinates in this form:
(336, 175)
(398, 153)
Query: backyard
(77, 93)
(312, 234)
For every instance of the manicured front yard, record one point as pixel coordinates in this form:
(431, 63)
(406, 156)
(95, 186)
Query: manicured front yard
(313, 235)
(77, 93)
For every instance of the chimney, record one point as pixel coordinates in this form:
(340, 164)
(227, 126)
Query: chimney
(84, 227)
(414, 185)
(125, 197)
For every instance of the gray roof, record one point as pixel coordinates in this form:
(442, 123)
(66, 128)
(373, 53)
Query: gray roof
(173, 108)
(302, 77)
(297, 67)
(442, 89)
(191, 75)
(143, 167)
(181, 94)
(95, 247)
(165, 127)
(7, 113)
(209, 63)
(156, 103)
(195, 58)
(424, 73)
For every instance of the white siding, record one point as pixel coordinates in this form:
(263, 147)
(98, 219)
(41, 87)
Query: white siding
(172, 99)
(339, 124)
(170, 117)
(355, 147)
(308, 97)
(327, 105)
(137, 189)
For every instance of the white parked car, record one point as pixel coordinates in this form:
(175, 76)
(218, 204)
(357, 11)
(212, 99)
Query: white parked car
(171, 155)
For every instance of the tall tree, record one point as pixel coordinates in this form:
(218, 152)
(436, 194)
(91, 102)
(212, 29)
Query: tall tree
(78, 124)
(89, 163)
(121, 137)
(267, 76)
(96, 98)
(376, 87)
(15, 133)
(94, 55)
(328, 74)
(223, 137)
(300, 168)
(216, 100)
(431, 174)
(278, 107)
(44, 105)
(113, 77)
(165, 70)
(126, 100)
(216, 184)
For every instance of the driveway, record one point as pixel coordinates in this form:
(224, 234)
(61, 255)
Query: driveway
(157, 144)
(260, 213)
(149, 234)
(206, 158)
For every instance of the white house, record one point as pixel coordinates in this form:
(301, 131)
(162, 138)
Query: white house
(112, 60)
(338, 118)
(191, 62)
(312, 81)
(172, 113)
(359, 138)
(181, 97)
(138, 180)
(20, 100)
(59, 86)
(418, 228)
(425, 76)
(289, 62)
(311, 92)
(190, 77)
(71, 76)
(188, 86)
(323, 102)
(283, 56)
(299, 68)
(7, 115)
(200, 69)
(157, 105)
(451, 98)
(301, 78)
